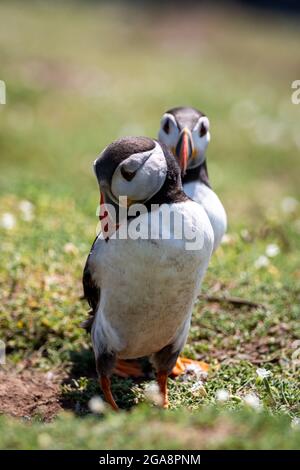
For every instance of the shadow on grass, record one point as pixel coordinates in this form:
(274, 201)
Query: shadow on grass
(81, 385)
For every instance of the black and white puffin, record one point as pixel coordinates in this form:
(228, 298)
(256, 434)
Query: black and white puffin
(142, 290)
(185, 131)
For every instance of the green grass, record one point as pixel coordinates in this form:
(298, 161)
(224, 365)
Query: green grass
(145, 428)
(80, 75)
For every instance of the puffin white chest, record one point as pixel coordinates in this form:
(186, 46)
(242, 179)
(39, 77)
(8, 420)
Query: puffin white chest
(205, 196)
(148, 288)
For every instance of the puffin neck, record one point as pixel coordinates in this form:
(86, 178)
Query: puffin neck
(166, 196)
(172, 190)
(199, 173)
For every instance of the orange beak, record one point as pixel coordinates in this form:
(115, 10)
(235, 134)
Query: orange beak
(184, 149)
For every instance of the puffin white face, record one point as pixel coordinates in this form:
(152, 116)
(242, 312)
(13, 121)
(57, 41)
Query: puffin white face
(201, 138)
(169, 131)
(187, 142)
(140, 176)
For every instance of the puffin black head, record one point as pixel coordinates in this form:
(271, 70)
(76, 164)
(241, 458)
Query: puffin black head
(185, 131)
(139, 168)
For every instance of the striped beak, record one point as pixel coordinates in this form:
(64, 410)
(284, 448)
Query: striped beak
(184, 149)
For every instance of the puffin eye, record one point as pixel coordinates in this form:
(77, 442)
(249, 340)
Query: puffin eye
(202, 130)
(166, 126)
(127, 175)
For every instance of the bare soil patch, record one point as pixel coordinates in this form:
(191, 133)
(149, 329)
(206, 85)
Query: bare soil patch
(29, 393)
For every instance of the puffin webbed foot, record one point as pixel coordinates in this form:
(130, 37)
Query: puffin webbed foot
(183, 365)
(128, 369)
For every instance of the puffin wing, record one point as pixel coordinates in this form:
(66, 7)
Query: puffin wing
(91, 291)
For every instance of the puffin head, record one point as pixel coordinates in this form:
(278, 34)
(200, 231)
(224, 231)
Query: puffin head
(185, 131)
(138, 168)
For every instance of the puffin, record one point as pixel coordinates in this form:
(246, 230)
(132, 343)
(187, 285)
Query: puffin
(141, 279)
(185, 131)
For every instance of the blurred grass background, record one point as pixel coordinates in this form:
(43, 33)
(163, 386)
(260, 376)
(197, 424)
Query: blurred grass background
(79, 75)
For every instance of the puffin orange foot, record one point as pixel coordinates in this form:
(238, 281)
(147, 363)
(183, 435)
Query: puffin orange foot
(128, 369)
(162, 379)
(105, 386)
(184, 364)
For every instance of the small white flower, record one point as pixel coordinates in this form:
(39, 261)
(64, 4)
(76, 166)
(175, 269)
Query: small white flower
(227, 239)
(222, 395)
(8, 221)
(70, 248)
(289, 205)
(196, 386)
(198, 389)
(261, 262)
(263, 373)
(245, 234)
(252, 400)
(196, 370)
(51, 280)
(27, 210)
(295, 424)
(272, 250)
(152, 393)
(97, 405)
(49, 376)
